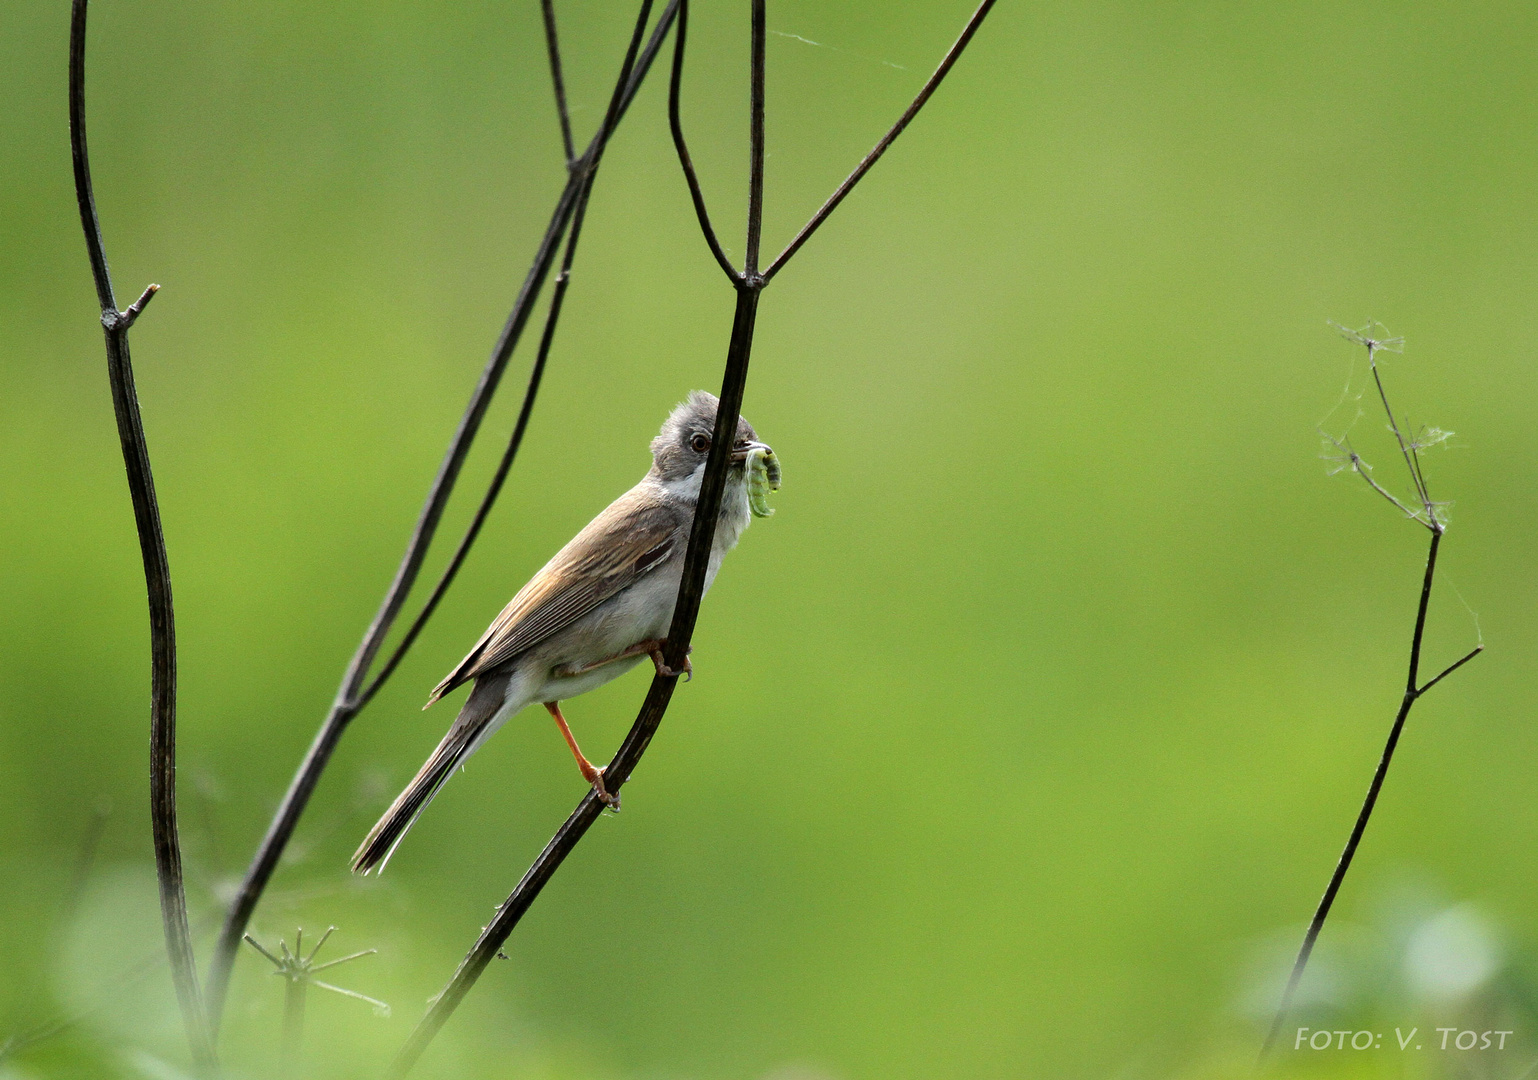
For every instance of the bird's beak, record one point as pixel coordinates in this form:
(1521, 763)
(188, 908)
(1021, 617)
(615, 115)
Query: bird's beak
(741, 451)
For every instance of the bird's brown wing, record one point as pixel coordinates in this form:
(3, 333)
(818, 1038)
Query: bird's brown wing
(633, 536)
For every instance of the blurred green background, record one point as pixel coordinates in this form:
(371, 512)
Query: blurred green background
(1026, 733)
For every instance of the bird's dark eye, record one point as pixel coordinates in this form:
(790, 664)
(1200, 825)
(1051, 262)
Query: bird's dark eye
(699, 443)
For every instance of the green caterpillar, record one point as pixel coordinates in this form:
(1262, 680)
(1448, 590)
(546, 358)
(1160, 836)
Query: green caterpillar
(763, 477)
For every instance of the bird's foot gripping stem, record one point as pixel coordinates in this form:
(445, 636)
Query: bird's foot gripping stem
(609, 801)
(662, 665)
(590, 772)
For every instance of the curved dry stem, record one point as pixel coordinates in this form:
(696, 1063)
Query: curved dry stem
(157, 572)
(681, 145)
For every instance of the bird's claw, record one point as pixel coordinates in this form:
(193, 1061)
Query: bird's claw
(610, 801)
(687, 671)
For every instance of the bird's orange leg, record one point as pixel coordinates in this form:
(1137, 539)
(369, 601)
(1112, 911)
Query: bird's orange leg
(590, 772)
(651, 647)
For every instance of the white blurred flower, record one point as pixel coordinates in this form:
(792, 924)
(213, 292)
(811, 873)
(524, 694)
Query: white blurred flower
(1451, 953)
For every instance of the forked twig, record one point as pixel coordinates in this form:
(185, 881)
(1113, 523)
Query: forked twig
(157, 572)
(1429, 517)
(748, 285)
(356, 689)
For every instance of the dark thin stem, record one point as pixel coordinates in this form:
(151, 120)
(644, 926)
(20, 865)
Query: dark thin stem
(1413, 689)
(886, 140)
(749, 287)
(157, 572)
(1365, 814)
(1344, 864)
(459, 448)
(355, 690)
(755, 142)
(1411, 696)
(647, 721)
(681, 145)
(648, 54)
(621, 95)
(1420, 615)
(505, 919)
(585, 171)
(552, 43)
(84, 194)
(345, 706)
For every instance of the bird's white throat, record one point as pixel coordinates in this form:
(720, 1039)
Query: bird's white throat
(735, 513)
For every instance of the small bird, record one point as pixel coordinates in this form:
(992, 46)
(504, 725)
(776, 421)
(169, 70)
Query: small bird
(594, 611)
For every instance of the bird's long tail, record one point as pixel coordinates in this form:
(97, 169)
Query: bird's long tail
(476, 721)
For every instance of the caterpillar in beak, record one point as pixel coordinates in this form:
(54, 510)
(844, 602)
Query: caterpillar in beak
(763, 477)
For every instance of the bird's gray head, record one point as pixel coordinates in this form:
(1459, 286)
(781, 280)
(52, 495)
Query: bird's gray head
(684, 444)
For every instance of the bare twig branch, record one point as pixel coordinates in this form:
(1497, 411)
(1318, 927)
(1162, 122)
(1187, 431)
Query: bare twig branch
(130, 315)
(552, 43)
(681, 145)
(749, 286)
(886, 140)
(1454, 666)
(1413, 690)
(1316, 924)
(536, 374)
(157, 572)
(355, 690)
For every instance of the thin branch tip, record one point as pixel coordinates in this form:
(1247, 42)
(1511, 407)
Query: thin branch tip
(129, 420)
(122, 320)
(947, 62)
(1454, 666)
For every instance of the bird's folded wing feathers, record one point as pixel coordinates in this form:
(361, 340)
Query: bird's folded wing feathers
(616, 549)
